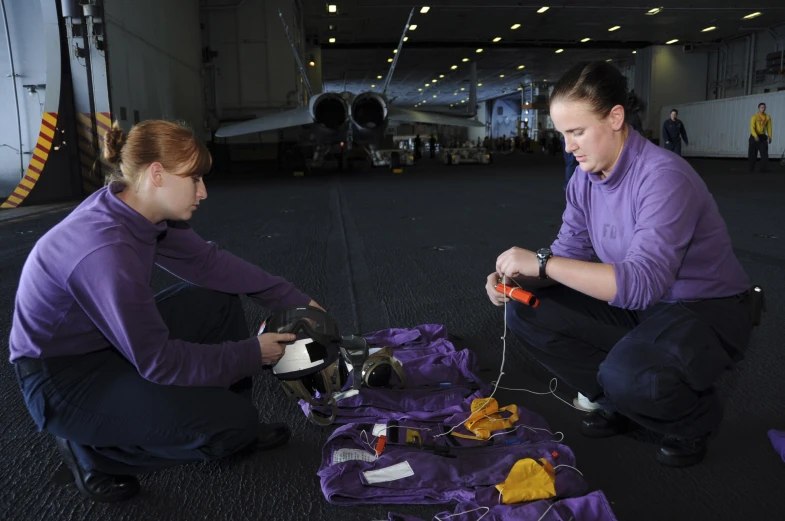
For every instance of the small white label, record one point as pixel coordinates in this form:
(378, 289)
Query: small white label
(399, 471)
(380, 429)
(343, 455)
(345, 394)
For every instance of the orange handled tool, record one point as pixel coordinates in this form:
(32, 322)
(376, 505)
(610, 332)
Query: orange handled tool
(518, 295)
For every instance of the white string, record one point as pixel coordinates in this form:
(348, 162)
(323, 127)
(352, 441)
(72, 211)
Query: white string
(368, 443)
(467, 512)
(569, 466)
(533, 429)
(501, 369)
(544, 513)
(552, 386)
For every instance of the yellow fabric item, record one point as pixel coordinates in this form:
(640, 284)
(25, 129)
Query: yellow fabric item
(528, 480)
(486, 417)
(760, 125)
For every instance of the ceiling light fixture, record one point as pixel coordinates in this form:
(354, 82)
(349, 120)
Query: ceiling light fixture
(497, 39)
(433, 81)
(585, 40)
(752, 15)
(441, 75)
(373, 86)
(614, 28)
(379, 77)
(479, 50)
(479, 84)
(609, 60)
(521, 67)
(454, 67)
(427, 84)
(395, 51)
(463, 88)
(559, 51)
(708, 29)
(413, 27)
(654, 11)
(465, 60)
(312, 63)
(389, 60)
(634, 52)
(671, 41)
(425, 9)
(332, 8)
(405, 38)
(515, 26)
(542, 10)
(332, 40)
(419, 90)
(501, 75)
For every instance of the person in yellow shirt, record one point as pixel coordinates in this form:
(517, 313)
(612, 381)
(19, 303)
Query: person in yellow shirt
(760, 138)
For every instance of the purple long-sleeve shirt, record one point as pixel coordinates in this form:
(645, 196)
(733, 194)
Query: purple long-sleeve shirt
(655, 221)
(86, 286)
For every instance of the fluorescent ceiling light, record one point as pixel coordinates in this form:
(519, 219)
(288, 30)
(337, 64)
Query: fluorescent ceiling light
(395, 51)
(441, 75)
(312, 63)
(433, 81)
(434, 95)
(501, 75)
(559, 51)
(654, 11)
(708, 29)
(332, 40)
(465, 59)
(479, 84)
(521, 67)
(634, 52)
(425, 9)
(497, 39)
(405, 38)
(585, 40)
(332, 8)
(671, 41)
(379, 77)
(479, 50)
(389, 60)
(609, 60)
(463, 88)
(542, 9)
(752, 15)
(427, 84)
(419, 90)
(373, 86)
(454, 67)
(515, 26)
(413, 27)
(614, 28)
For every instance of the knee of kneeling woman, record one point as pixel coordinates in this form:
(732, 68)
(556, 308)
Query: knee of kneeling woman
(624, 388)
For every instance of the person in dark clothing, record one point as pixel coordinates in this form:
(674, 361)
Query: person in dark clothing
(673, 132)
(432, 142)
(417, 147)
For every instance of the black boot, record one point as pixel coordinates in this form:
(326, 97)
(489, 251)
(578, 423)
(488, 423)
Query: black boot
(272, 435)
(682, 452)
(94, 484)
(604, 424)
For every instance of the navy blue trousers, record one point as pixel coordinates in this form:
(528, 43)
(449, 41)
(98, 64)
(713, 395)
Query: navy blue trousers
(656, 366)
(119, 423)
(674, 146)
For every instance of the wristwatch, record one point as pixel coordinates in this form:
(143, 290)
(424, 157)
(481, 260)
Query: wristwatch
(543, 254)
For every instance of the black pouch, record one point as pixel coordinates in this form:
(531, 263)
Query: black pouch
(756, 305)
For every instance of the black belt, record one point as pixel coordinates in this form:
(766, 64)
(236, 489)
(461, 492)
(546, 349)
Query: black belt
(28, 366)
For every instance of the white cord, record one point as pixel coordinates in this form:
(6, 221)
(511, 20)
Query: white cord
(544, 513)
(534, 429)
(552, 386)
(569, 466)
(501, 369)
(467, 512)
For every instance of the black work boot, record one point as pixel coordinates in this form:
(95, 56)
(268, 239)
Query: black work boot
(272, 435)
(94, 484)
(604, 424)
(682, 452)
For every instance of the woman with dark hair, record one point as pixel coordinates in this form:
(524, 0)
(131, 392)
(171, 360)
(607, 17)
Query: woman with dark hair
(128, 381)
(646, 331)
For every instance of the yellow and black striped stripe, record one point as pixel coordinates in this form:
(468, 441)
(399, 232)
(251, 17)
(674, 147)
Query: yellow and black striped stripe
(37, 161)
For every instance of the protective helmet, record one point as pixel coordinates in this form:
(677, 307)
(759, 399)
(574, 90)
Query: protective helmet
(311, 368)
(378, 369)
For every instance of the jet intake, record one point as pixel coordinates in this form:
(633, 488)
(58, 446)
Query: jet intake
(369, 110)
(330, 110)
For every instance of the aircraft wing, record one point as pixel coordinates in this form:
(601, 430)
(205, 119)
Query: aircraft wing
(417, 116)
(290, 118)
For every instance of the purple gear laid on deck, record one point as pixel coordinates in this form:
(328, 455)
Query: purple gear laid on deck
(440, 380)
(591, 507)
(777, 439)
(351, 474)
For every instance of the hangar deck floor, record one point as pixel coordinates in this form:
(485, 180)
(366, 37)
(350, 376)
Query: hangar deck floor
(382, 250)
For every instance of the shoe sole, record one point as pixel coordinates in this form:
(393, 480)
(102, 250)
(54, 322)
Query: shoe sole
(69, 458)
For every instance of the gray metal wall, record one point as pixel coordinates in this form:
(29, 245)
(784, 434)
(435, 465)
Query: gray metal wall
(27, 38)
(154, 54)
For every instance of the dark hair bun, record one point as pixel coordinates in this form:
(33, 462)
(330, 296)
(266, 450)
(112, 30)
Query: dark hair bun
(113, 144)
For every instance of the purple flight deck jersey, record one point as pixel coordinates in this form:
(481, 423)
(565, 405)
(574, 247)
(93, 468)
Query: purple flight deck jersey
(654, 219)
(86, 287)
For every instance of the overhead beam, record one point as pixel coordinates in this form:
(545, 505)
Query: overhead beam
(523, 44)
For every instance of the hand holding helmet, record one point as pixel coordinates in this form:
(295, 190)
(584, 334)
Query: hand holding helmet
(272, 346)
